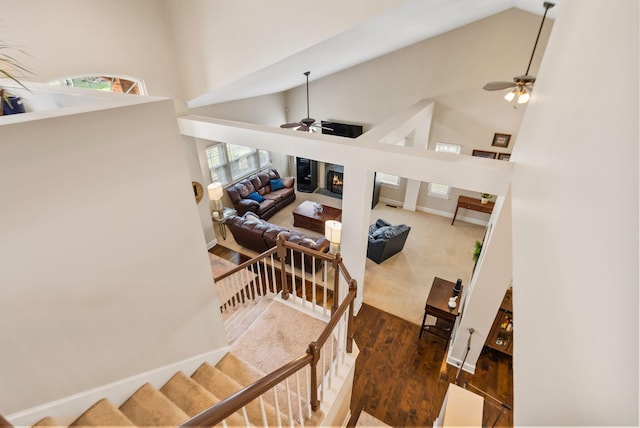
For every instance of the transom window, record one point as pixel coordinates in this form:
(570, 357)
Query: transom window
(104, 82)
(230, 162)
(442, 190)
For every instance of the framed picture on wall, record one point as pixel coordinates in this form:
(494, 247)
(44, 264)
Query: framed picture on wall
(501, 140)
(504, 156)
(484, 154)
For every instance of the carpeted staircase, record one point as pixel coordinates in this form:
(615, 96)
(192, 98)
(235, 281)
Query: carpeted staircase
(186, 395)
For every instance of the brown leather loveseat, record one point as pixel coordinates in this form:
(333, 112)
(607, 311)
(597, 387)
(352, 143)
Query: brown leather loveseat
(259, 235)
(264, 193)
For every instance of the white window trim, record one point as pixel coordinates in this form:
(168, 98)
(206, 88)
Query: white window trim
(446, 148)
(226, 165)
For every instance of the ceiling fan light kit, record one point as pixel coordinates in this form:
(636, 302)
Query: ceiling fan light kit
(521, 85)
(308, 124)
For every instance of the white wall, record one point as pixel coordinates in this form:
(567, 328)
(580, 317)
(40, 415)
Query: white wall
(69, 37)
(575, 225)
(449, 69)
(219, 40)
(104, 272)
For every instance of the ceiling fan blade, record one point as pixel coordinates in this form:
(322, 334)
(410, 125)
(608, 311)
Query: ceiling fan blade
(291, 125)
(496, 86)
(303, 128)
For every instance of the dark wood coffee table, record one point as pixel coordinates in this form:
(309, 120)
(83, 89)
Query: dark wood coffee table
(306, 216)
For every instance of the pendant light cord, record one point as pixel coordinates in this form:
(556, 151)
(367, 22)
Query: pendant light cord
(307, 74)
(547, 6)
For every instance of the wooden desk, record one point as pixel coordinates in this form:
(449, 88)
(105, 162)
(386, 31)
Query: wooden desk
(473, 204)
(438, 306)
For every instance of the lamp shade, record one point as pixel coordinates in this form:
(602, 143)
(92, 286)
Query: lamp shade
(215, 191)
(333, 231)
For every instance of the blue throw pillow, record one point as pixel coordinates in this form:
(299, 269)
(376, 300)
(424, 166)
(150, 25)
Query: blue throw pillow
(276, 184)
(255, 196)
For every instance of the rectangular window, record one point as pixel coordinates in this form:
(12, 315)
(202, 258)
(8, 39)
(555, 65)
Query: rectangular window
(229, 162)
(393, 180)
(442, 190)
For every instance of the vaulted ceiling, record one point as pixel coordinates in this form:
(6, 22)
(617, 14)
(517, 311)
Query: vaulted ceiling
(411, 22)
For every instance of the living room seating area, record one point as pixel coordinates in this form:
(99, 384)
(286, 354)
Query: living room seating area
(264, 193)
(385, 240)
(254, 233)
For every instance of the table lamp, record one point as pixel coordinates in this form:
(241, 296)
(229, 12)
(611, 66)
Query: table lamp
(333, 232)
(215, 195)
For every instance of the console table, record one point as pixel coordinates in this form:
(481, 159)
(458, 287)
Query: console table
(438, 306)
(473, 204)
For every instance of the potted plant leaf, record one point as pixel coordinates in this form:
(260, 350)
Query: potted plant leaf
(485, 197)
(12, 69)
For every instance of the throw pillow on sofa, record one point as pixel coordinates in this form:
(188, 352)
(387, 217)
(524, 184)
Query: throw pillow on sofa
(276, 184)
(255, 196)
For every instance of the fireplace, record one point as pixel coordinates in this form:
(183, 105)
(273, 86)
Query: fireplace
(334, 181)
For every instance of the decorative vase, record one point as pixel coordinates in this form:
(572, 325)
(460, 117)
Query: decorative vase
(484, 200)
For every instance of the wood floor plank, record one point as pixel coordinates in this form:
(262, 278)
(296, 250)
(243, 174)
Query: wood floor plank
(397, 376)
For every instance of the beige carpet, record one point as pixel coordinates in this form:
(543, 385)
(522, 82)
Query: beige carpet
(401, 284)
(280, 324)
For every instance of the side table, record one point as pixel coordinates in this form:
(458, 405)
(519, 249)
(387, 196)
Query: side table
(221, 220)
(438, 306)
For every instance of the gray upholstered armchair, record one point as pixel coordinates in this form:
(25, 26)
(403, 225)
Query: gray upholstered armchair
(385, 240)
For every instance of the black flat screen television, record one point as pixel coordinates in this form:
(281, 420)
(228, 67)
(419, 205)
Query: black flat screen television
(341, 129)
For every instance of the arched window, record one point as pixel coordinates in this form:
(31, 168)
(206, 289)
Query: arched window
(104, 82)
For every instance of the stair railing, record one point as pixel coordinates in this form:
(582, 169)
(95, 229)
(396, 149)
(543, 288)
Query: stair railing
(337, 335)
(300, 268)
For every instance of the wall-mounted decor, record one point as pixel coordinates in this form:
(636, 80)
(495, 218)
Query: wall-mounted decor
(504, 156)
(198, 191)
(501, 140)
(484, 154)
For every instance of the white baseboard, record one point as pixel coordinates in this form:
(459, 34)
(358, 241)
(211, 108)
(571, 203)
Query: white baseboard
(212, 244)
(67, 409)
(446, 214)
(469, 368)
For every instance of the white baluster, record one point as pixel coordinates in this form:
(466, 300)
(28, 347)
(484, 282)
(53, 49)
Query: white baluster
(247, 423)
(289, 409)
(277, 406)
(300, 417)
(265, 422)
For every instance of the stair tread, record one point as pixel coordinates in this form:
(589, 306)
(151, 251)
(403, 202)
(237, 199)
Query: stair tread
(193, 398)
(222, 385)
(243, 317)
(148, 406)
(46, 422)
(102, 413)
(245, 374)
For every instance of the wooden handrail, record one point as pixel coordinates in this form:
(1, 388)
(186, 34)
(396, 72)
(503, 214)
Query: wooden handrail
(246, 264)
(215, 414)
(335, 318)
(223, 409)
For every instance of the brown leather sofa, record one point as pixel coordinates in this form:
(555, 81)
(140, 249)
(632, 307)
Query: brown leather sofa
(260, 183)
(259, 235)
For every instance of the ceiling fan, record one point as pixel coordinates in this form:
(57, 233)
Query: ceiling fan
(523, 84)
(308, 124)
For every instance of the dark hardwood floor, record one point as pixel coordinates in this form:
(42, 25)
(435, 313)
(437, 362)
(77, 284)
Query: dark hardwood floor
(400, 379)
